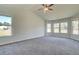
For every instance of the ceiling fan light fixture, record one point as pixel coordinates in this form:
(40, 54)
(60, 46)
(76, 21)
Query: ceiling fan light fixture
(45, 9)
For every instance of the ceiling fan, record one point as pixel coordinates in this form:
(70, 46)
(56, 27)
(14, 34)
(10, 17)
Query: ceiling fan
(46, 7)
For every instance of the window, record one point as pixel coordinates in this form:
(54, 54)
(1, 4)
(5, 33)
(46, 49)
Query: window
(56, 28)
(63, 27)
(48, 28)
(5, 26)
(75, 27)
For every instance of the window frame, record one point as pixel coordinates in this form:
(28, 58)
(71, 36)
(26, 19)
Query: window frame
(72, 27)
(56, 27)
(61, 31)
(48, 28)
(11, 32)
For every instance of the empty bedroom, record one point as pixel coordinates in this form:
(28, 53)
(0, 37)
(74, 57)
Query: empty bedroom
(39, 29)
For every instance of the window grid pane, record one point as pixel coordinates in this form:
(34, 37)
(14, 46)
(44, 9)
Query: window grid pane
(48, 28)
(75, 27)
(56, 28)
(63, 27)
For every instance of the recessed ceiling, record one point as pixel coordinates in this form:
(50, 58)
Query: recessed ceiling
(59, 10)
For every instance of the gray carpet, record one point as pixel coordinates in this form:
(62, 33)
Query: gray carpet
(42, 46)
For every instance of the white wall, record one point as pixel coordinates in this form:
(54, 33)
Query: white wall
(29, 25)
(25, 25)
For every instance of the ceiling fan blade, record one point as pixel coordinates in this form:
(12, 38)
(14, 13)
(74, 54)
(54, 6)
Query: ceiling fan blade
(45, 5)
(50, 5)
(42, 4)
(50, 9)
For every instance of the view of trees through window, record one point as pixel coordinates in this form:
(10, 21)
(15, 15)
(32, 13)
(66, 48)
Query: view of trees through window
(56, 28)
(48, 28)
(63, 27)
(5, 26)
(75, 25)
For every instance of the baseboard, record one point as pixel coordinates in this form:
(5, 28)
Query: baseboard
(19, 41)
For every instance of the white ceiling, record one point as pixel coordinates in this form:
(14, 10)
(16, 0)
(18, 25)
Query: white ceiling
(59, 10)
(14, 8)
